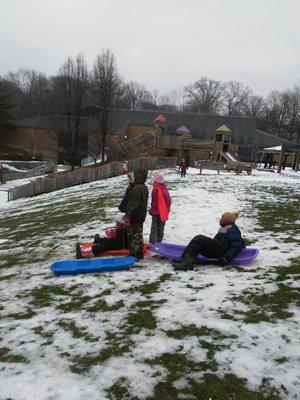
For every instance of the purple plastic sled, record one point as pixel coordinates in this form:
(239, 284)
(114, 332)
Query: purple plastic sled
(171, 251)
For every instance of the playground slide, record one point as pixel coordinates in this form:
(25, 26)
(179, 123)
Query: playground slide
(228, 157)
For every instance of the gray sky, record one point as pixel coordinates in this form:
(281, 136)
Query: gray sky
(164, 44)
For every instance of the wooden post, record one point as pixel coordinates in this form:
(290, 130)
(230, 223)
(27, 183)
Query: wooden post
(280, 159)
(297, 161)
(255, 157)
(200, 169)
(284, 161)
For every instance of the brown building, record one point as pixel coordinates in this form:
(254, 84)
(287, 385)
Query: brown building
(33, 138)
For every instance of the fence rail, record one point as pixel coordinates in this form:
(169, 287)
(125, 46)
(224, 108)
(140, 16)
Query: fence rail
(29, 174)
(64, 180)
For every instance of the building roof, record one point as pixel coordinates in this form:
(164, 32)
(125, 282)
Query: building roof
(223, 129)
(182, 129)
(202, 126)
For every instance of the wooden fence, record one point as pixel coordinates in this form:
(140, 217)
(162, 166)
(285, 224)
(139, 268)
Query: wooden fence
(31, 173)
(64, 180)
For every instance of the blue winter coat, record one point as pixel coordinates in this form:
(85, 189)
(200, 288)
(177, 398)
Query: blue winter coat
(233, 240)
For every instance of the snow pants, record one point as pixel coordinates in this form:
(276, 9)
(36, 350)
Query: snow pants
(105, 244)
(135, 240)
(157, 229)
(207, 247)
(183, 172)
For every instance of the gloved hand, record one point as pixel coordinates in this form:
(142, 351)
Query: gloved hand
(222, 260)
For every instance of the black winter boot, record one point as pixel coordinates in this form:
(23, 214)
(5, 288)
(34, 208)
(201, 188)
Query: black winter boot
(139, 255)
(184, 263)
(97, 238)
(78, 251)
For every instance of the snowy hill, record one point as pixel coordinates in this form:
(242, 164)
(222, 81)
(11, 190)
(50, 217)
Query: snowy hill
(152, 332)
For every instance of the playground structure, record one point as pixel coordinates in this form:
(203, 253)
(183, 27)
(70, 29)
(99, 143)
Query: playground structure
(221, 152)
(209, 154)
(280, 157)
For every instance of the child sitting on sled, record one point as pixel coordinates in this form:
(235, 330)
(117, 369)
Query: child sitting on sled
(116, 240)
(226, 244)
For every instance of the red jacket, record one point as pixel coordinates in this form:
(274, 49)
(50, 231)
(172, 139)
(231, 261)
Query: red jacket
(154, 200)
(183, 166)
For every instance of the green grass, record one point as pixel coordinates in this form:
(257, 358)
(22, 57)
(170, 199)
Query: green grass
(7, 277)
(77, 303)
(142, 319)
(101, 305)
(290, 272)
(119, 390)
(76, 331)
(27, 314)
(279, 216)
(43, 296)
(268, 307)
(149, 304)
(81, 364)
(148, 288)
(192, 330)
(6, 356)
(210, 386)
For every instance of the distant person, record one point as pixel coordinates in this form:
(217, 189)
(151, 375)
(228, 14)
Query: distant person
(226, 244)
(160, 207)
(125, 167)
(183, 167)
(134, 205)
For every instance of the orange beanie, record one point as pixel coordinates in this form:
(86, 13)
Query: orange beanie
(231, 216)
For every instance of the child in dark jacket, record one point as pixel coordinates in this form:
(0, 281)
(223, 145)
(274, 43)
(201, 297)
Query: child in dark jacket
(160, 208)
(226, 244)
(118, 240)
(122, 206)
(135, 212)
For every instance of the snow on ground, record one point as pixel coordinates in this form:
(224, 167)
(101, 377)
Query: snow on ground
(88, 336)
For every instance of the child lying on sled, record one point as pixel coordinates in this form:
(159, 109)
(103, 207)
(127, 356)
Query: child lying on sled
(116, 240)
(226, 244)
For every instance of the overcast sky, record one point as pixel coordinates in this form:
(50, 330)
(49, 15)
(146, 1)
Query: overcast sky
(163, 44)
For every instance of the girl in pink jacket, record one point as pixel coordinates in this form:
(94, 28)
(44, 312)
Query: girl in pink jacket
(160, 207)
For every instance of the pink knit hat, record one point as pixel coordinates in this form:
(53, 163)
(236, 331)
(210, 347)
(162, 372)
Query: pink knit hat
(158, 177)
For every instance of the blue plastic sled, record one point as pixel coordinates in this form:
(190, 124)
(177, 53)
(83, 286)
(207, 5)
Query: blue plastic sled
(83, 266)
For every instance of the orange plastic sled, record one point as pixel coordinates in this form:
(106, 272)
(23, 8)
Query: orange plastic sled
(121, 252)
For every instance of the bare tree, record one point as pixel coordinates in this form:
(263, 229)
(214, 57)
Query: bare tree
(293, 127)
(235, 96)
(172, 100)
(70, 89)
(204, 96)
(277, 113)
(30, 91)
(137, 96)
(254, 106)
(5, 111)
(106, 81)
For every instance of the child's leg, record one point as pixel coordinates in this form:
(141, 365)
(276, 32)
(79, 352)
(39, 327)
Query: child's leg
(154, 229)
(83, 253)
(209, 248)
(135, 240)
(161, 228)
